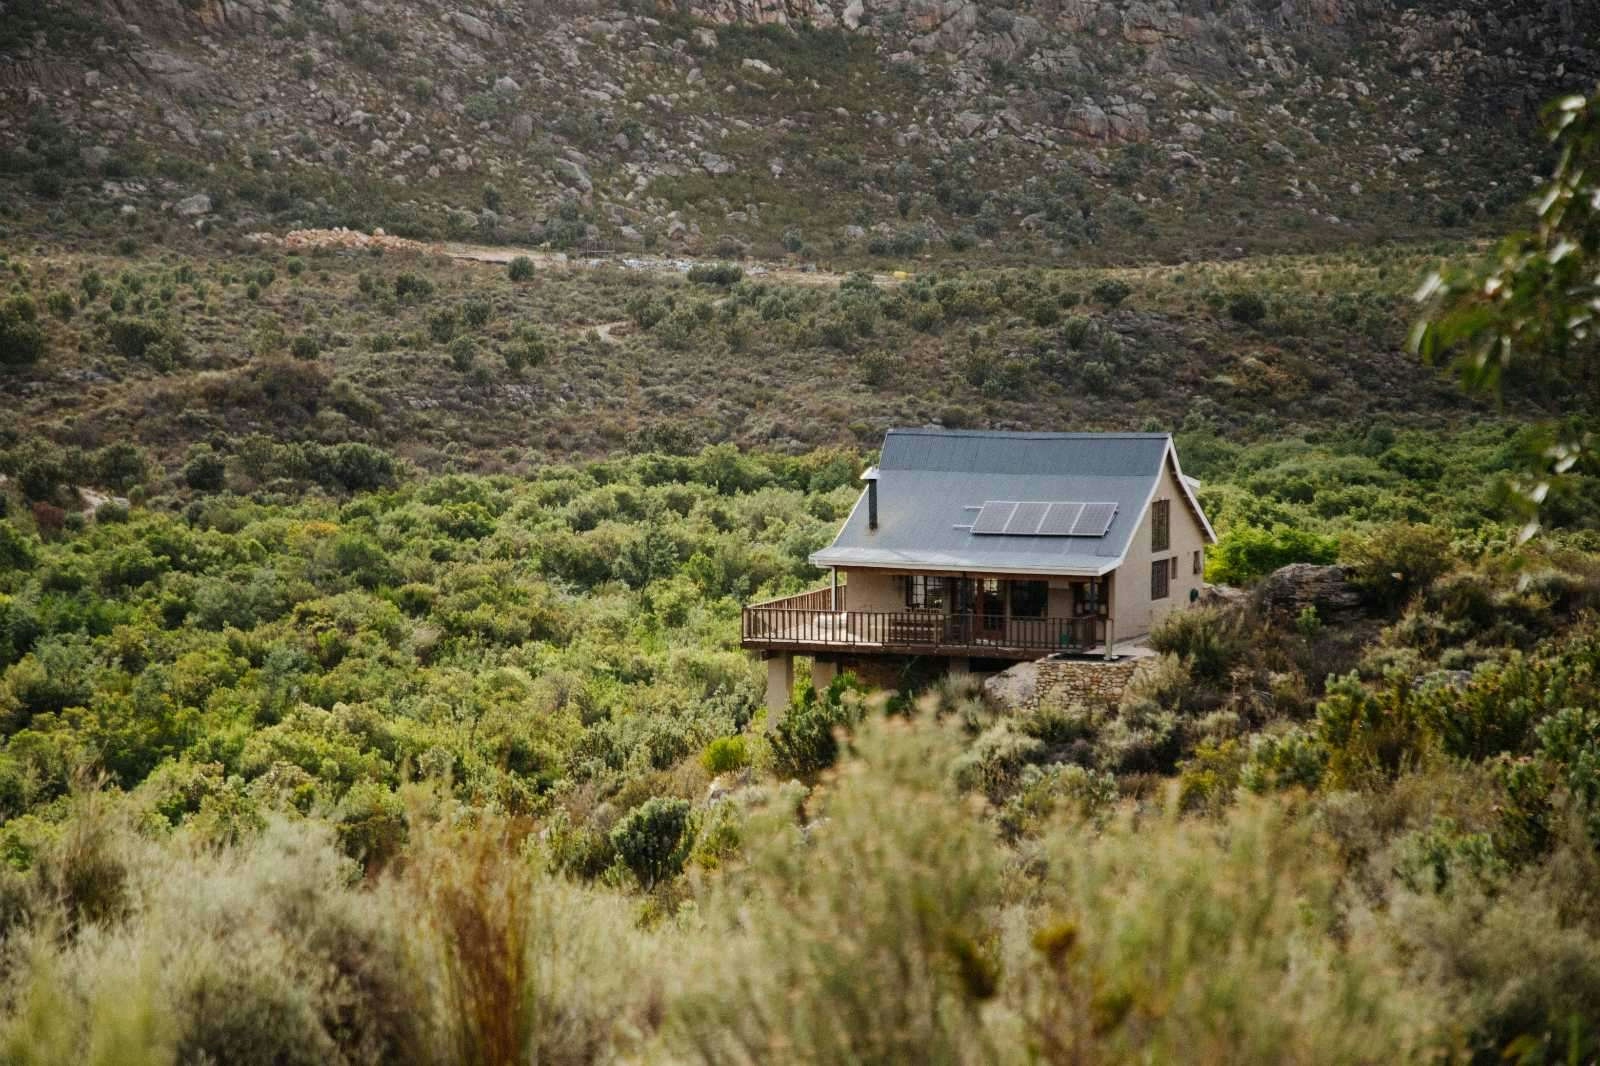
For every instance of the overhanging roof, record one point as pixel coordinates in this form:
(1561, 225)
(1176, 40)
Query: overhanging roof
(931, 482)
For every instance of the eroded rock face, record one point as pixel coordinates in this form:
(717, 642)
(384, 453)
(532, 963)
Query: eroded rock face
(1288, 591)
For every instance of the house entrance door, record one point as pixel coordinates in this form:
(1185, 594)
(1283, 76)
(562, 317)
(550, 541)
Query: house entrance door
(991, 607)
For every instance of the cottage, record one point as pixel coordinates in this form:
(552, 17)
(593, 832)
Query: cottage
(978, 549)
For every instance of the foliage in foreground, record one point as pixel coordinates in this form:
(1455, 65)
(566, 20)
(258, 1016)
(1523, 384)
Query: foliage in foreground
(426, 774)
(1287, 930)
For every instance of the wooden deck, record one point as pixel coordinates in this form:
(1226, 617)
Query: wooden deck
(805, 624)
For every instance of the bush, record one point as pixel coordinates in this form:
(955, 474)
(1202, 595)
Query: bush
(1111, 292)
(805, 742)
(720, 274)
(1247, 308)
(1209, 640)
(204, 470)
(412, 288)
(521, 269)
(22, 340)
(59, 304)
(653, 840)
(476, 313)
(1394, 562)
(442, 324)
(463, 353)
(304, 346)
(1247, 552)
(371, 824)
(725, 754)
(156, 341)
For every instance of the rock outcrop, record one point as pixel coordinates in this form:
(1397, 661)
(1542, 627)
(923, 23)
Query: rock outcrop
(1288, 591)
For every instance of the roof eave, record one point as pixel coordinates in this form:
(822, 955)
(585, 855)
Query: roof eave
(823, 559)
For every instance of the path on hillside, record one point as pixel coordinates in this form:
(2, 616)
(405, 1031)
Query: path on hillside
(348, 239)
(782, 273)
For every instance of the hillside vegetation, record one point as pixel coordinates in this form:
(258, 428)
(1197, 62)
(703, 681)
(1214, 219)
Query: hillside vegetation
(370, 681)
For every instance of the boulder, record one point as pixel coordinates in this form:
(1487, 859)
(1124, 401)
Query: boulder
(716, 164)
(1014, 689)
(1288, 591)
(473, 27)
(193, 206)
(574, 174)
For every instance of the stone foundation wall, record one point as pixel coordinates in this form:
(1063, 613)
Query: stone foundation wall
(1082, 682)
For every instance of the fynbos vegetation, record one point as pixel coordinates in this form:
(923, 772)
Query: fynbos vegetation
(371, 679)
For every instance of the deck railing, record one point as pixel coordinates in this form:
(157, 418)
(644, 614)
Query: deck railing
(782, 624)
(815, 600)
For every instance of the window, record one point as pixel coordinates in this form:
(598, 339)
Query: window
(1029, 599)
(1159, 572)
(1173, 564)
(1199, 563)
(1160, 525)
(1088, 598)
(923, 591)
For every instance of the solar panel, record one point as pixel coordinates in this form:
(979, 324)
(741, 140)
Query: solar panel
(1059, 522)
(1062, 518)
(994, 516)
(1025, 520)
(1095, 520)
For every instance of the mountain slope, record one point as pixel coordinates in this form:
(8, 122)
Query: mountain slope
(1085, 130)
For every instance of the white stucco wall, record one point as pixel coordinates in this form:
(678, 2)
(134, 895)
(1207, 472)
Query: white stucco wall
(1133, 611)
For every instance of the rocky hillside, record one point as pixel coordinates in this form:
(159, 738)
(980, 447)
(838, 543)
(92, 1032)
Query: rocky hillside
(1093, 130)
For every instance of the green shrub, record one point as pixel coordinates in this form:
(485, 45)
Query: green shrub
(412, 288)
(463, 353)
(371, 824)
(1394, 562)
(476, 313)
(156, 341)
(805, 742)
(1111, 292)
(725, 754)
(1209, 640)
(22, 340)
(60, 304)
(719, 274)
(520, 269)
(442, 324)
(1247, 308)
(304, 346)
(204, 470)
(654, 839)
(1246, 552)
(1370, 735)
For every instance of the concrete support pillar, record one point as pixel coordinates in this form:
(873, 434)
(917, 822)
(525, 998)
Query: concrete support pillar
(960, 667)
(780, 684)
(823, 672)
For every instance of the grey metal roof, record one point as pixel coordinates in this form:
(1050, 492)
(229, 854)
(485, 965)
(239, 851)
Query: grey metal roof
(930, 483)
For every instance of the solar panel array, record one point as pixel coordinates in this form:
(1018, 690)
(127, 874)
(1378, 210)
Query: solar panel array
(1063, 518)
(994, 516)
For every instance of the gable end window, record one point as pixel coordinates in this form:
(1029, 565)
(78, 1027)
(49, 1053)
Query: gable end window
(1172, 568)
(1159, 579)
(1160, 525)
(1199, 565)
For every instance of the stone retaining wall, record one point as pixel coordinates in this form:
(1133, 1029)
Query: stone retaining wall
(1082, 682)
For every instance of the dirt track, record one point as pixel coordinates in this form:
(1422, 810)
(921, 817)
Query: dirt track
(781, 273)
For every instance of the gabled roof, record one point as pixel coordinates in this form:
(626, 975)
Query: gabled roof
(932, 484)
